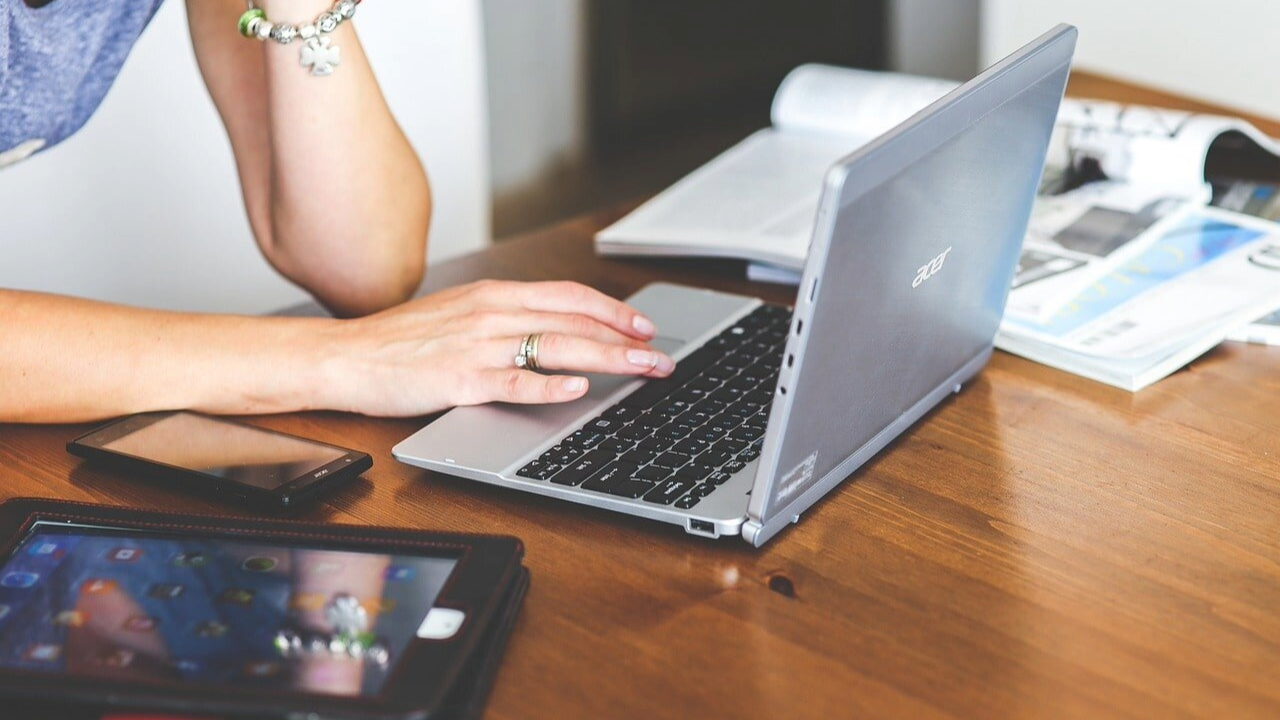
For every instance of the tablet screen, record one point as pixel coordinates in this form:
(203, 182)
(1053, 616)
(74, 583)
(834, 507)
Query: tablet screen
(132, 606)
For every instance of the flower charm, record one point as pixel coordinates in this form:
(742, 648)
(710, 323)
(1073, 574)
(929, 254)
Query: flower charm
(321, 55)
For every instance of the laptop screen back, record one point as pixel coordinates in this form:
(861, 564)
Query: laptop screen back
(915, 249)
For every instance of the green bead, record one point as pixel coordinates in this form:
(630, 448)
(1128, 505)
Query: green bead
(249, 16)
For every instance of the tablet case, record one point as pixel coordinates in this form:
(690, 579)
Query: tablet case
(466, 701)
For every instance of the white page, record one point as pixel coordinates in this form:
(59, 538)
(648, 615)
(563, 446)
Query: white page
(758, 200)
(832, 100)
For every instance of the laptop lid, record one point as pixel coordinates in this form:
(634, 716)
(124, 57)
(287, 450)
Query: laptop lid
(915, 246)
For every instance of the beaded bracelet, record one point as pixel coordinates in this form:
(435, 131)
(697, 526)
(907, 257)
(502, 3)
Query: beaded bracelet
(318, 51)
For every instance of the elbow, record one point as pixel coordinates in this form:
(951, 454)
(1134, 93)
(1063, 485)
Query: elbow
(356, 290)
(357, 263)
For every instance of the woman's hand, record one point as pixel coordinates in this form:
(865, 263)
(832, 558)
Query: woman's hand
(458, 347)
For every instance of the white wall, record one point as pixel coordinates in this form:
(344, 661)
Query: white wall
(142, 206)
(938, 38)
(1223, 52)
(537, 59)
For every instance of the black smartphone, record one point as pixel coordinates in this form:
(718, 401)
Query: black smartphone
(222, 458)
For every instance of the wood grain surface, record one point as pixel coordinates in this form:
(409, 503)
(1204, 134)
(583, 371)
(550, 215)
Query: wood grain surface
(1039, 546)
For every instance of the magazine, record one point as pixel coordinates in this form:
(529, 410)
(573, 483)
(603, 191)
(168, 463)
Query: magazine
(1211, 272)
(1117, 178)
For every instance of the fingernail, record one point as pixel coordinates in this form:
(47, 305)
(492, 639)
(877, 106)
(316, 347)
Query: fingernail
(665, 365)
(644, 326)
(574, 385)
(643, 358)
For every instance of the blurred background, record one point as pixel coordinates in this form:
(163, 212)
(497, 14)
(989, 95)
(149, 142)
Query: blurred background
(530, 111)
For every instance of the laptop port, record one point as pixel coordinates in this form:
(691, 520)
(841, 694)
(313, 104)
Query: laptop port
(703, 527)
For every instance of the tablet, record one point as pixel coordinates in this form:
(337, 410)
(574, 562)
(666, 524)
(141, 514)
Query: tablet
(109, 608)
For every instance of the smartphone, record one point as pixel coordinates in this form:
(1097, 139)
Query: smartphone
(222, 458)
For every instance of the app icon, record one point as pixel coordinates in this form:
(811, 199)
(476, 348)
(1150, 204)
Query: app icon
(71, 619)
(95, 586)
(165, 591)
(264, 669)
(19, 580)
(260, 564)
(236, 596)
(118, 659)
(46, 550)
(325, 567)
(379, 605)
(42, 653)
(211, 630)
(194, 559)
(308, 602)
(124, 555)
(140, 623)
(399, 573)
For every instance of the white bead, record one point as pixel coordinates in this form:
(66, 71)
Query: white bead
(252, 27)
(308, 31)
(264, 30)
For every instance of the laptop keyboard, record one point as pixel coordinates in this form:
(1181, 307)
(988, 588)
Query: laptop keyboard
(675, 440)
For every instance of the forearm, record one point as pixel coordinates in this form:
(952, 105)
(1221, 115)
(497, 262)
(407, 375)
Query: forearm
(336, 195)
(68, 360)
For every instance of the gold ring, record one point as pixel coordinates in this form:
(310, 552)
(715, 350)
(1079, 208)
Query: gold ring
(527, 357)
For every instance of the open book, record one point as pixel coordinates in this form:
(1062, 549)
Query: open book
(758, 200)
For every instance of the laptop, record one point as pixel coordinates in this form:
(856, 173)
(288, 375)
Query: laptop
(914, 249)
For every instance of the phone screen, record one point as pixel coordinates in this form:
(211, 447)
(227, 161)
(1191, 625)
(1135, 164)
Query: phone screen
(137, 606)
(228, 450)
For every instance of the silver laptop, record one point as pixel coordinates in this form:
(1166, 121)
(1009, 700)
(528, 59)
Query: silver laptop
(914, 249)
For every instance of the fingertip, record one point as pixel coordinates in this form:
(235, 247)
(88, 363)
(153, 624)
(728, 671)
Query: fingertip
(644, 326)
(574, 387)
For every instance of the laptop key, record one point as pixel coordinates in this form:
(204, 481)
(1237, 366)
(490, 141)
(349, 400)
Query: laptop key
(691, 446)
(653, 474)
(584, 468)
(562, 454)
(621, 412)
(653, 444)
(615, 446)
(731, 445)
(639, 457)
(714, 457)
(672, 460)
(675, 431)
(688, 501)
(702, 490)
(731, 468)
(695, 471)
(538, 470)
(749, 454)
(612, 474)
(633, 488)
(669, 491)
(603, 425)
(635, 433)
(719, 478)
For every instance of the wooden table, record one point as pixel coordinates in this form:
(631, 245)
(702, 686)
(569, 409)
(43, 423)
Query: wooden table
(1039, 546)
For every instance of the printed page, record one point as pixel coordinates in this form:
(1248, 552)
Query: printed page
(1212, 270)
(843, 101)
(757, 201)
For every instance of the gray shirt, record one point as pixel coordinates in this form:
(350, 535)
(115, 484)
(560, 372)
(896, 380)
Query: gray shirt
(57, 63)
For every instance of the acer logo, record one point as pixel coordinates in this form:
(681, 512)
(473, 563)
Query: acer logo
(929, 270)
